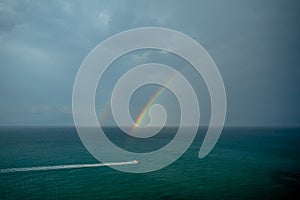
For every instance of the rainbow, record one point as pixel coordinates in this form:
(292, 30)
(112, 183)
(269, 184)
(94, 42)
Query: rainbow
(142, 114)
(151, 101)
(161, 89)
(146, 108)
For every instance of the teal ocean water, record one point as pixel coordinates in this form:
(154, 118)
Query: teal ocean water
(246, 163)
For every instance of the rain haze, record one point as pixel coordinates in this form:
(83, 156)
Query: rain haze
(255, 45)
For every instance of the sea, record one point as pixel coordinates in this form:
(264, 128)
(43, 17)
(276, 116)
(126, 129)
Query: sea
(246, 163)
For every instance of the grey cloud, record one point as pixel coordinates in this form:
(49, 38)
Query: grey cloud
(254, 43)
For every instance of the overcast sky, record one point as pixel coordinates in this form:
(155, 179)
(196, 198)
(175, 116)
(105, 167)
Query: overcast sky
(255, 45)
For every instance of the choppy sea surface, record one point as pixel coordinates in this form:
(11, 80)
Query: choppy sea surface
(246, 163)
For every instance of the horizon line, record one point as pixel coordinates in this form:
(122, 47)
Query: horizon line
(170, 126)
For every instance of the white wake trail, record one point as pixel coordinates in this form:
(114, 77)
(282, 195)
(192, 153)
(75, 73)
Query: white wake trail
(59, 167)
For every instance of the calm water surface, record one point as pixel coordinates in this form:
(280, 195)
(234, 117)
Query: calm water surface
(246, 163)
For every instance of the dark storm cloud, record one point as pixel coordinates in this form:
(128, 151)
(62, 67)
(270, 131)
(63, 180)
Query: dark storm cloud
(254, 43)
